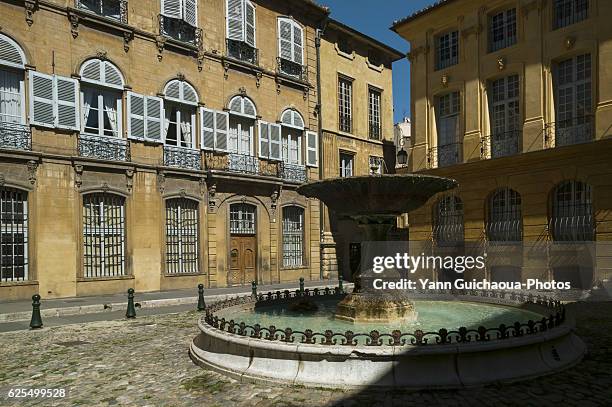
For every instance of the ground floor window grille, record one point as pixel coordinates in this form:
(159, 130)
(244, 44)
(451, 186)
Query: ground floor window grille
(505, 223)
(242, 219)
(448, 221)
(13, 235)
(572, 218)
(103, 235)
(293, 236)
(181, 236)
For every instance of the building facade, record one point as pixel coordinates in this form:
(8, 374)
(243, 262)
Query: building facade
(513, 99)
(157, 144)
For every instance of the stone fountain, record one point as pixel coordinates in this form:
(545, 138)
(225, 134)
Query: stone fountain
(374, 202)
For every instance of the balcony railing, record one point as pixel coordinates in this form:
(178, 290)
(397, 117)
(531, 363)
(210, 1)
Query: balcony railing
(246, 164)
(375, 131)
(115, 9)
(293, 173)
(104, 148)
(181, 157)
(243, 164)
(15, 136)
(567, 132)
(242, 51)
(500, 144)
(180, 30)
(444, 155)
(293, 69)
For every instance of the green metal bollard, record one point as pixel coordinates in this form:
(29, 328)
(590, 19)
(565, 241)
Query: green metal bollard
(201, 303)
(254, 289)
(301, 286)
(36, 321)
(131, 311)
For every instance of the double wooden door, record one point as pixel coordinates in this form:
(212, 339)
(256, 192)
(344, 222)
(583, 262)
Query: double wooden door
(242, 260)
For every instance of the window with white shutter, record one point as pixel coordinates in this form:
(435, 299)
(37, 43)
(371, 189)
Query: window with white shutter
(221, 130)
(207, 124)
(179, 19)
(145, 117)
(215, 129)
(54, 101)
(241, 30)
(291, 47)
(312, 149)
(12, 86)
(264, 140)
(275, 141)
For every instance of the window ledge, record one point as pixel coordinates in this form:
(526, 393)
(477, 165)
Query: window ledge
(350, 56)
(18, 283)
(376, 68)
(110, 278)
(184, 274)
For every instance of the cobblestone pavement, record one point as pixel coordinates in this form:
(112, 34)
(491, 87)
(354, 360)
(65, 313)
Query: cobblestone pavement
(144, 362)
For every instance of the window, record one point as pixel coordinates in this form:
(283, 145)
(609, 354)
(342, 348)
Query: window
(567, 12)
(448, 221)
(447, 49)
(447, 123)
(54, 101)
(116, 9)
(241, 30)
(346, 164)
(345, 100)
(180, 107)
(241, 126)
(344, 45)
(505, 223)
(504, 116)
(242, 219)
(573, 101)
(292, 132)
(293, 236)
(377, 165)
(13, 235)
(179, 19)
(291, 47)
(374, 114)
(182, 236)
(572, 212)
(103, 235)
(502, 30)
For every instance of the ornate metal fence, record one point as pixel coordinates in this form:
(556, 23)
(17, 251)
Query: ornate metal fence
(555, 318)
(117, 9)
(571, 131)
(182, 157)
(246, 164)
(292, 172)
(15, 136)
(291, 68)
(104, 148)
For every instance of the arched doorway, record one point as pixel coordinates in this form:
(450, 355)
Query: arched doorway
(243, 244)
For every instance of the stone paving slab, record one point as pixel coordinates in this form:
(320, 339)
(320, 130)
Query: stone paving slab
(144, 362)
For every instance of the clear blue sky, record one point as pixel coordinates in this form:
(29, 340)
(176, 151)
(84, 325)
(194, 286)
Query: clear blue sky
(374, 19)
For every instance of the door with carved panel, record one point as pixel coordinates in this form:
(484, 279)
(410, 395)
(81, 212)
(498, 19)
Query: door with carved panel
(243, 245)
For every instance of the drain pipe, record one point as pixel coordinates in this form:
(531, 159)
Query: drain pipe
(318, 36)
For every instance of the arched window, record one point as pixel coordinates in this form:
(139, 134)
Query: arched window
(181, 101)
(101, 98)
(182, 225)
(291, 47)
(572, 212)
(291, 137)
(242, 219)
(103, 235)
(505, 222)
(13, 234)
(241, 132)
(293, 236)
(12, 91)
(448, 221)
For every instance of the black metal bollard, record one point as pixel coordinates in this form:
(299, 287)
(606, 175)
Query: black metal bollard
(301, 286)
(254, 289)
(201, 303)
(131, 310)
(36, 321)
(340, 287)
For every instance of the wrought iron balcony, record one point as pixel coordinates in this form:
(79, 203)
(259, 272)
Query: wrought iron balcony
(104, 148)
(508, 230)
(567, 132)
(500, 144)
(293, 69)
(180, 30)
(246, 164)
(293, 173)
(115, 9)
(242, 51)
(15, 136)
(182, 157)
(444, 155)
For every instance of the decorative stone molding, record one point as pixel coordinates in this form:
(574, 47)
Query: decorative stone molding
(274, 197)
(242, 90)
(212, 202)
(74, 23)
(30, 7)
(202, 183)
(444, 80)
(2, 180)
(180, 76)
(105, 188)
(182, 193)
(161, 181)
(160, 43)
(306, 90)
(569, 42)
(32, 169)
(278, 85)
(258, 76)
(226, 67)
(200, 58)
(102, 54)
(501, 63)
(129, 179)
(78, 176)
(128, 36)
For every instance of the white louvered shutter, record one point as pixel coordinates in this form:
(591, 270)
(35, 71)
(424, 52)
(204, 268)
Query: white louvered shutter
(264, 139)
(207, 124)
(10, 54)
(171, 8)
(191, 12)
(135, 116)
(67, 90)
(154, 119)
(112, 76)
(221, 130)
(235, 20)
(275, 141)
(42, 106)
(297, 44)
(92, 71)
(249, 23)
(284, 39)
(312, 150)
